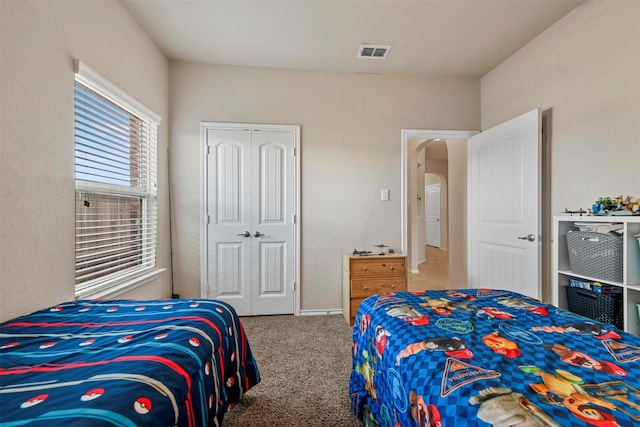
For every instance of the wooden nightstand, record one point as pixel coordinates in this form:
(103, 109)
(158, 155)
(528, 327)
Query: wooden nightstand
(368, 275)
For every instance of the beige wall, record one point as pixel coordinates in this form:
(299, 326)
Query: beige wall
(350, 148)
(586, 69)
(39, 40)
(417, 196)
(590, 80)
(457, 186)
(430, 179)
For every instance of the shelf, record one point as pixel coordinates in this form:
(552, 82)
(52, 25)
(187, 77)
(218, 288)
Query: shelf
(593, 279)
(630, 283)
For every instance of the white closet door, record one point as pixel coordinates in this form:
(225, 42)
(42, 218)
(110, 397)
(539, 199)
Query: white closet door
(251, 231)
(272, 222)
(229, 208)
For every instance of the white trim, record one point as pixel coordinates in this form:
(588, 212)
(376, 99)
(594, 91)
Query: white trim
(95, 80)
(298, 213)
(249, 126)
(204, 249)
(204, 240)
(114, 291)
(405, 135)
(329, 312)
(204, 245)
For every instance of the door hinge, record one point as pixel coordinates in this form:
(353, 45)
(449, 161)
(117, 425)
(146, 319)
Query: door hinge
(294, 286)
(208, 219)
(295, 219)
(295, 151)
(208, 150)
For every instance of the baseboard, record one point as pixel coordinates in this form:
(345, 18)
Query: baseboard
(321, 312)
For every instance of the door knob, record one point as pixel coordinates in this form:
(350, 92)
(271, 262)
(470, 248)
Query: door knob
(257, 234)
(529, 237)
(245, 234)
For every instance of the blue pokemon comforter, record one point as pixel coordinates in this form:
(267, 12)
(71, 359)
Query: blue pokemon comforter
(489, 357)
(124, 363)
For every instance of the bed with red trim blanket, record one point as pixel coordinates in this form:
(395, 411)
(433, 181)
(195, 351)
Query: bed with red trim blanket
(482, 357)
(125, 363)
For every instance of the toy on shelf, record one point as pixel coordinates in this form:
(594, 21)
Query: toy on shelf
(616, 206)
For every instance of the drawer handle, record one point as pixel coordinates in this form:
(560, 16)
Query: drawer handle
(392, 268)
(366, 288)
(393, 286)
(364, 268)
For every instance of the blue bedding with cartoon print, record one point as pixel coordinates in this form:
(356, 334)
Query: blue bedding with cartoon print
(489, 357)
(124, 363)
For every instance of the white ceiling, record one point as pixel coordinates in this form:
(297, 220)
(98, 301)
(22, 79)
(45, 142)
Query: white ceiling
(436, 37)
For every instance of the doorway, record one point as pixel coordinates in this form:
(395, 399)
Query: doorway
(413, 142)
(436, 180)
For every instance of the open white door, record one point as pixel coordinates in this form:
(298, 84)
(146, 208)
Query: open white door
(504, 204)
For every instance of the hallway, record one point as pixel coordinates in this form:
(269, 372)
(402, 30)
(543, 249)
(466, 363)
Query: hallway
(433, 273)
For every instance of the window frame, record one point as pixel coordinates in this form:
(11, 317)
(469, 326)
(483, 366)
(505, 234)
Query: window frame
(126, 279)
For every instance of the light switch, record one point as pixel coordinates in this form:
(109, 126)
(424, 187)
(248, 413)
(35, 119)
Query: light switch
(384, 194)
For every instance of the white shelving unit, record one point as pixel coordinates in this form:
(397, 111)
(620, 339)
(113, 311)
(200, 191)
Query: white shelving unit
(631, 264)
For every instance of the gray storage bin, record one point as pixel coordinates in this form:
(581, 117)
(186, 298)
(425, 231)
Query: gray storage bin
(595, 255)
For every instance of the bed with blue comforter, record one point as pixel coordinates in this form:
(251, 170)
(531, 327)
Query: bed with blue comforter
(481, 357)
(124, 363)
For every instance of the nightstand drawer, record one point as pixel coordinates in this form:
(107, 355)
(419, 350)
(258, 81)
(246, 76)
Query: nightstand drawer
(364, 268)
(362, 288)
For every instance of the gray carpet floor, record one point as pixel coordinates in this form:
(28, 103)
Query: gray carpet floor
(304, 363)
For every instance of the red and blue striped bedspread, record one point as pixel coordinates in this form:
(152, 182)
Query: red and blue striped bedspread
(482, 357)
(124, 363)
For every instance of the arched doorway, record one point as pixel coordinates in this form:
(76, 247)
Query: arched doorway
(414, 143)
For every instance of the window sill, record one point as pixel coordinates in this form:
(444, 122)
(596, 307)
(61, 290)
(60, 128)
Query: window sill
(120, 288)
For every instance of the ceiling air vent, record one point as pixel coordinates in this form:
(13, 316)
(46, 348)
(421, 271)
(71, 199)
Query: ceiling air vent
(372, 51)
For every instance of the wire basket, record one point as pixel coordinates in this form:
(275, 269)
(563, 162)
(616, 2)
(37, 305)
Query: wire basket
(605, 308)
(596, 255)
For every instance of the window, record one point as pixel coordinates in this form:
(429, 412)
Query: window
(116, 189)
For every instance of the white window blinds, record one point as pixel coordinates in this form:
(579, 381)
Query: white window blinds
(116, 191)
